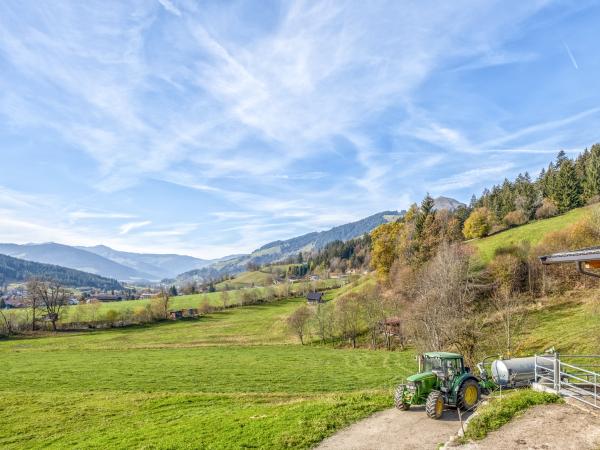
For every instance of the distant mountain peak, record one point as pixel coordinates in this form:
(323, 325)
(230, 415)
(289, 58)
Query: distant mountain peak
(448, 203)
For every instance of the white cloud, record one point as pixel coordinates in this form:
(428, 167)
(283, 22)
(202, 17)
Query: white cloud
(83, 215)
(471, 178)
(169, 6)
(129, 226)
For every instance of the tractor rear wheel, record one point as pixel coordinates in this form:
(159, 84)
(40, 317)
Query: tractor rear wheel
(434, 407)
(468, 394)
(399, 399)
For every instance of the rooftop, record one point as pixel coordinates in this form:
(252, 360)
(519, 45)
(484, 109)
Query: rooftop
(442, 355)
(584, 254)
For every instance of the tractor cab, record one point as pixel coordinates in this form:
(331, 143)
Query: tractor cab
(442, 380)
(442, 364)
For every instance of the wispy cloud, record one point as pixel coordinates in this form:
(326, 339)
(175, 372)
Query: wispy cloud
(571, 57)
(129, 226)
(169, 6)
(273, 122)
(470, 178)
(83, 215)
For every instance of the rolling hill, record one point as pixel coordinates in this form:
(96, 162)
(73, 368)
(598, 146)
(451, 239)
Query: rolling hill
(105, 261)
(73, 258)
(278, 250)
(18, 270)
(159, 266)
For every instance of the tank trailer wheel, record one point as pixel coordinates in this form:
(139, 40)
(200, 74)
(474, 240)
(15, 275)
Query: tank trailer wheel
(469, 394)
(399, 399)
(434, 407)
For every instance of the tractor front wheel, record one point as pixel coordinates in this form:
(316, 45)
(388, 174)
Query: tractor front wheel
(434, 407)
(399, 399)
(469, 394)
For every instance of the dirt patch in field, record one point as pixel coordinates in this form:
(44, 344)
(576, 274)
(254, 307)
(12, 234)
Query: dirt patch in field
(395, 430)
(547, 427)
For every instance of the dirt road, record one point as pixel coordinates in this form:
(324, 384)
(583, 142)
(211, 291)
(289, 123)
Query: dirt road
(395, 430)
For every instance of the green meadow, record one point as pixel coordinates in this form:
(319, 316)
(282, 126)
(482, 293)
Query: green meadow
(532, 232)
(231, 379)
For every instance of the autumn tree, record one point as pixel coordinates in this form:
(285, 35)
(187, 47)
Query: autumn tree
(384, 240)
(479, 223)
(160, 304)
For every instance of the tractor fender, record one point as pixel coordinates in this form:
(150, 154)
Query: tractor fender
(459, 383)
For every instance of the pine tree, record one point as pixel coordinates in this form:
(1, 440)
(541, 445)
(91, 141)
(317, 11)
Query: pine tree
(425, 211)
(567, 192)
(561, 157)
(592, 173)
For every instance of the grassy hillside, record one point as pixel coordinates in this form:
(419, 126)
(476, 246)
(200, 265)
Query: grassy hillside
(248, 279)
(532, 232)
(232, 379)
(569, 323)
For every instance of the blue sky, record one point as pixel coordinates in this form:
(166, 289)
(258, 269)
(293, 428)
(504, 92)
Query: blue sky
(211, 128)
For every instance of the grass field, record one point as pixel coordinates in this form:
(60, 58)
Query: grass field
(247, 279)
(532, 232)
(570, 324)
(176, 303)
(232, 379)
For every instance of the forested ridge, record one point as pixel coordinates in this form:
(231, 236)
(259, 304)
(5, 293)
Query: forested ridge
(17, 270)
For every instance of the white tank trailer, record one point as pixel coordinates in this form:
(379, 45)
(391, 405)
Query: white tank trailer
(516, 372)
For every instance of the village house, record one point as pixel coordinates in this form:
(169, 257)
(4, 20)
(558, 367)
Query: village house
(105, 298)
(313, 298)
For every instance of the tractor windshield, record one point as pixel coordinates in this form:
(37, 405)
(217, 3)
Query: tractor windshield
(431, 364)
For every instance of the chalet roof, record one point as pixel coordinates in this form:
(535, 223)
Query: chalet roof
(316, 296)
(585, 254)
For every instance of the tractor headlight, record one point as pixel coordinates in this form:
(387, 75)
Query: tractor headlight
(412, 386)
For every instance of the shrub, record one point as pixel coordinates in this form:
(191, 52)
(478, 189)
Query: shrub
(112, 316)
(548, 209)
(515, 218)
(478, 224)
(205, 307)
(143, 314)
(509, 271)
(593, 200)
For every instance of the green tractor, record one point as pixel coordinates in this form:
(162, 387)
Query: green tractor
(443, 380)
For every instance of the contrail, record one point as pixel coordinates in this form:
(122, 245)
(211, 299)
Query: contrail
(571, 55)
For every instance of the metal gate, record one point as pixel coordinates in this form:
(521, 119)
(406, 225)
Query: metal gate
(577, 379)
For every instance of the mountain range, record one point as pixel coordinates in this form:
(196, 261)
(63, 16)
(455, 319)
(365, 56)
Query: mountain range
(278, 250)
(143, 267)
(18, 270)
(104, 261)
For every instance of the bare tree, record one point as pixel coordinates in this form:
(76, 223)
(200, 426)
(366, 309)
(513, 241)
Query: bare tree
(53, 297)
(323, 319)
(298, 322)
(348, 314)
(443, 312)
(225, 298)
(33, 299)
(7, 322)
(507, 303)
(373, 311)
